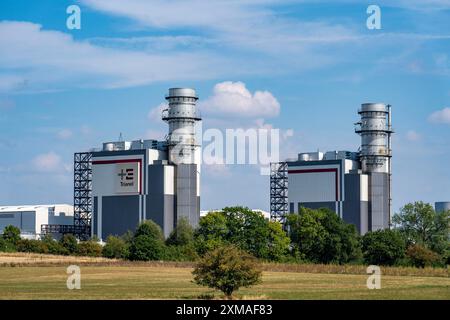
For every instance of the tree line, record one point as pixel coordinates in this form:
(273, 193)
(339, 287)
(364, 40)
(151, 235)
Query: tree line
(419, 237)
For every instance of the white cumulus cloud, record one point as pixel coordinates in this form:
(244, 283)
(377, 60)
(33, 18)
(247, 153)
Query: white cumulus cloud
(233, 98)
(45, 59)
(50, 162)
(155, 113)
(64, 134)
(413, 136)
(440, 116)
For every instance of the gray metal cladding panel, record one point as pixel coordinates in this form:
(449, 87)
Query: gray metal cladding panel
(379, 197)
(95, 215)
(156, 179)
(160, 209)
(355, 211)
(352, 187)
(318, 205)
(187, 202)
(352, 213)
(155, 209)
(169, 214)
(119, 214)
(364, 217)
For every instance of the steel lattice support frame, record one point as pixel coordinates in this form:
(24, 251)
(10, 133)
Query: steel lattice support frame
(279, 206)
(82, 194)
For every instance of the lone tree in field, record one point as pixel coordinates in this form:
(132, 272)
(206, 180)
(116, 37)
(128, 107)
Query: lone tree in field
(227, 268)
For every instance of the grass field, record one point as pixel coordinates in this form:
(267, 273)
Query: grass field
(101, 280)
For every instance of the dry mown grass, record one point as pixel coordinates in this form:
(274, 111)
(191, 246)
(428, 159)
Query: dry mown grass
(163, 282)
(355, 269)
(18, 259)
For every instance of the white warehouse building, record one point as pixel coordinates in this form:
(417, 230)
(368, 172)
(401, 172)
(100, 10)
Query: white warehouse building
(30, 218)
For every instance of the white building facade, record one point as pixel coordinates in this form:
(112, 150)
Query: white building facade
(30, 218)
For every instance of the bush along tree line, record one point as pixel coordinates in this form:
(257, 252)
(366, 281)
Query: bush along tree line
(419, 237)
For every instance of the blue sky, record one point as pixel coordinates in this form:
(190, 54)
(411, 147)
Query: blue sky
(313, 62)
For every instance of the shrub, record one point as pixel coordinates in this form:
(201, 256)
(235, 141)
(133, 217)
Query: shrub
(89, 249)
(180, 253)
(127, 237)
(227, 269)
(183, 234)
(6, 246)
(383, 247)
(53, 246)
(148, 242)
(32, 246)
(421, 257)
(11, 234)
(115, 248)
(69, 242)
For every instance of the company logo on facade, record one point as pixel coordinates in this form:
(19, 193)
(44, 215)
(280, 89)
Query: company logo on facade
(127, 178)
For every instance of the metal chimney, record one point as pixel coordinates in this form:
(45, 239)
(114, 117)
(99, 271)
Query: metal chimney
(375, 129)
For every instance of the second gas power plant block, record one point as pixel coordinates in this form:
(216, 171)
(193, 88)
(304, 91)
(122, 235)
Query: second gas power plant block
(355, 185)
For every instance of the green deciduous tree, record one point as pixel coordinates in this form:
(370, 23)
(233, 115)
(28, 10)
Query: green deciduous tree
(148, 242)
(383, 247)
(212, 232)
(11, 234)
(420, 224)
(246, 229)
(227, 268)
(320, 236)
(183, 234)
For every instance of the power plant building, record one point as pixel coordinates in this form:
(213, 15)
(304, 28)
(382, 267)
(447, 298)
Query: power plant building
(355, 185)
(154, 180)
(30, 218)
(442, 206)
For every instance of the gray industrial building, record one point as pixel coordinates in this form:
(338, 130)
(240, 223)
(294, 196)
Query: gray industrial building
(442, 206)
(356, 185)
(154, 180)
